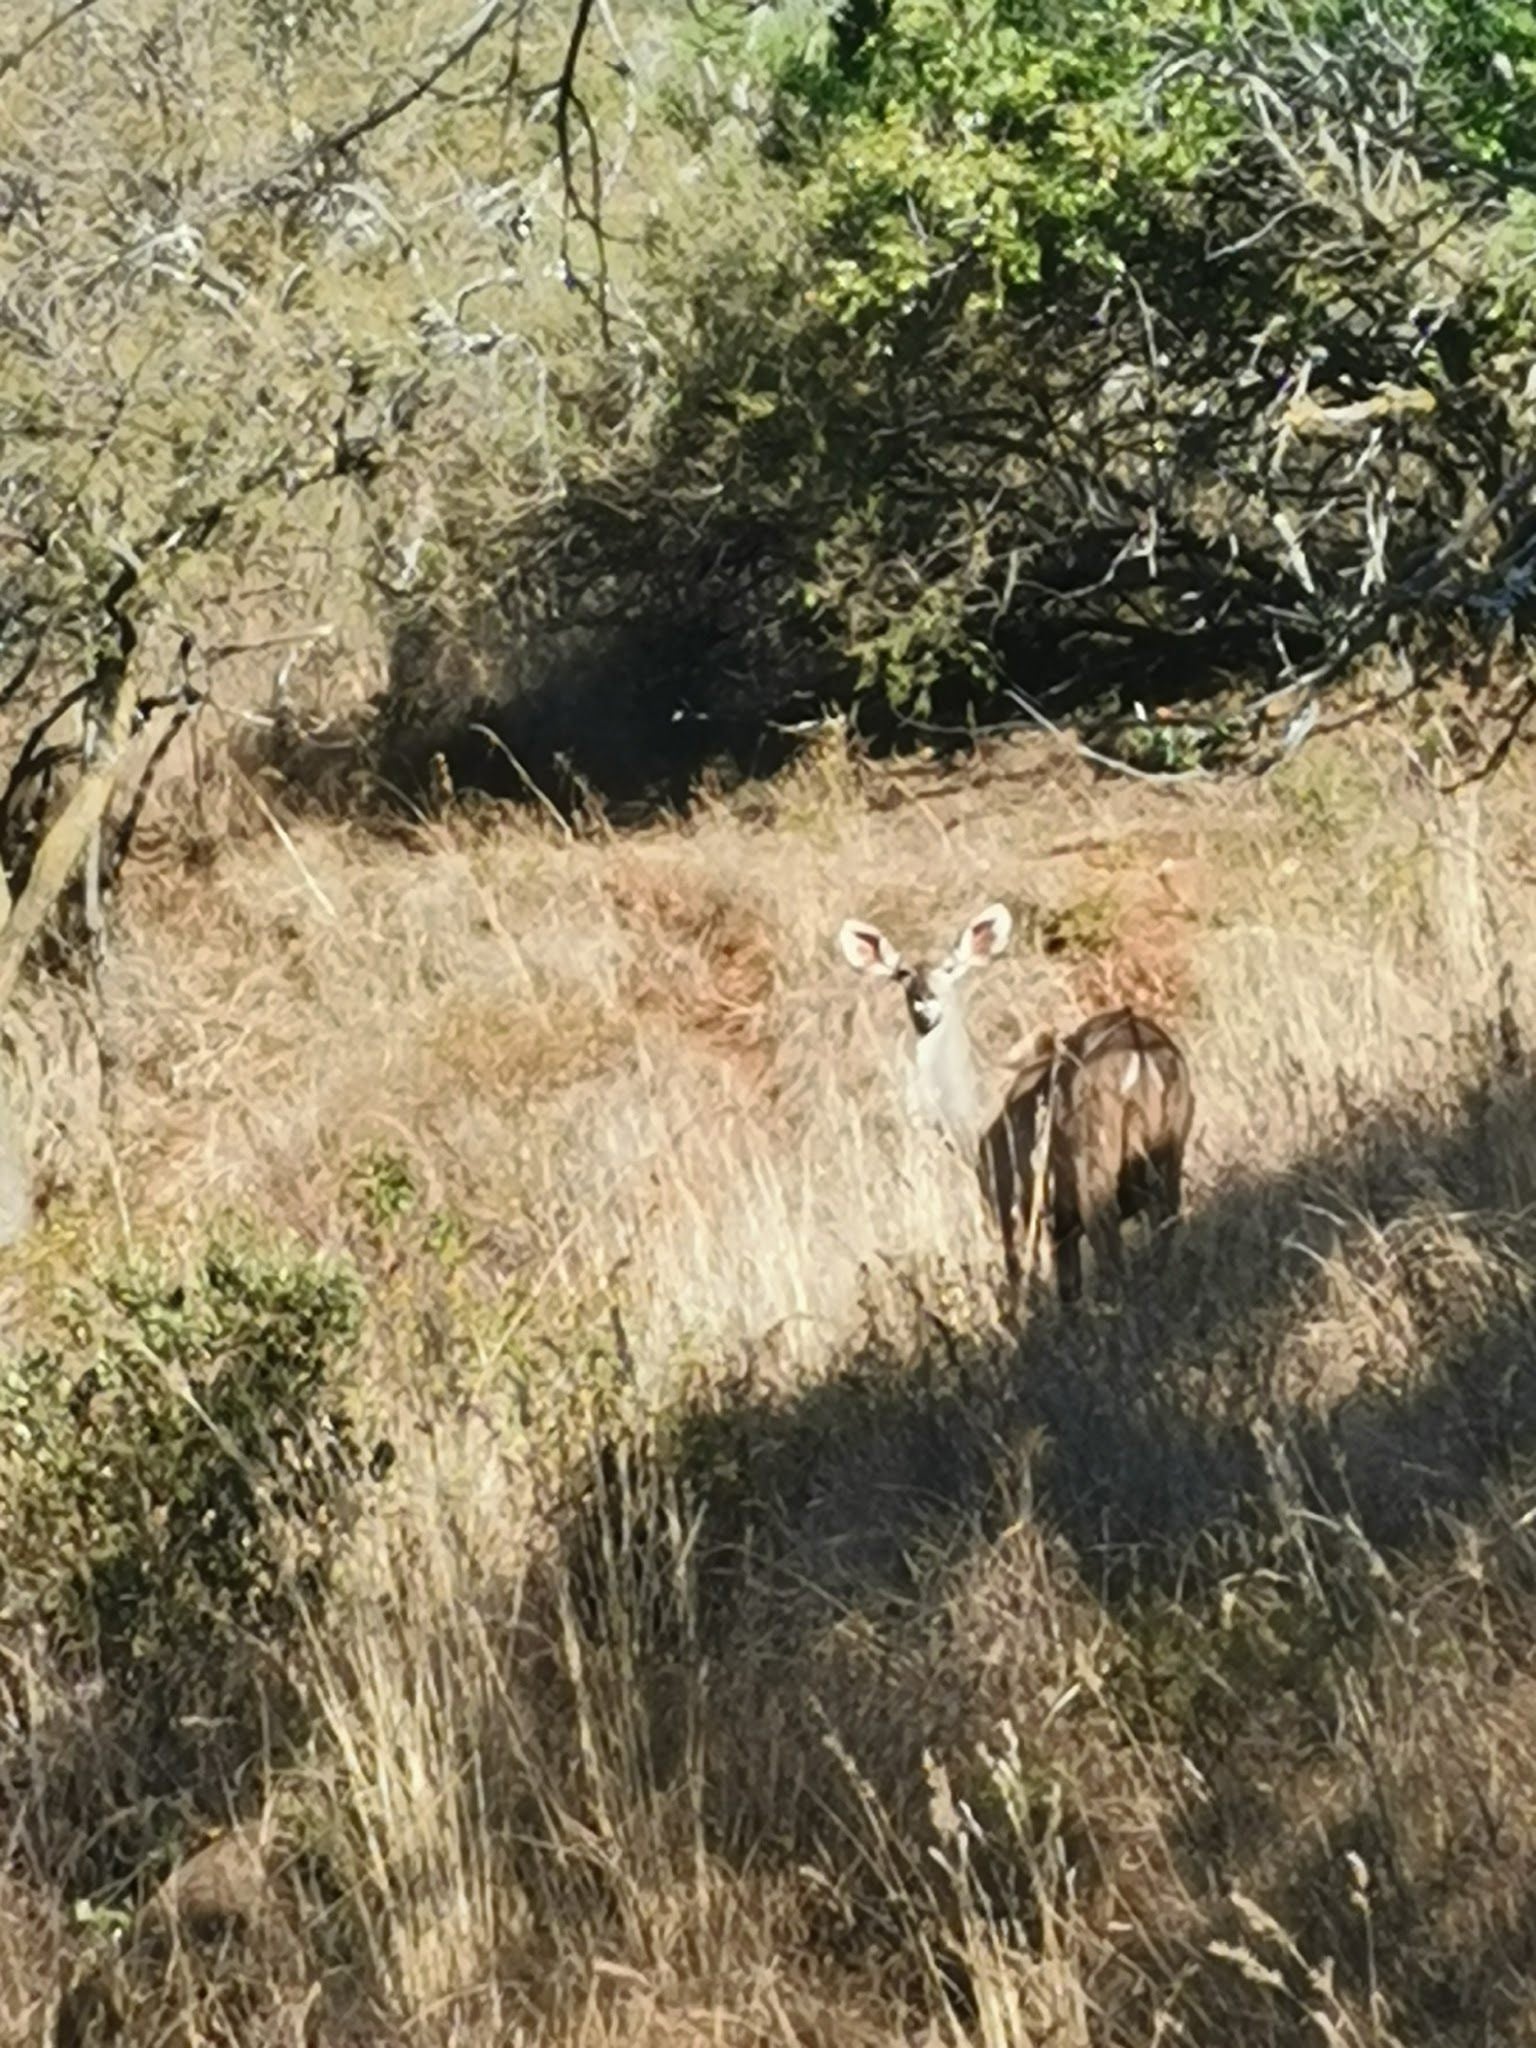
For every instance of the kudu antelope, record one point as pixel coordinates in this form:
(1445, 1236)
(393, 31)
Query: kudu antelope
(1092, 1128)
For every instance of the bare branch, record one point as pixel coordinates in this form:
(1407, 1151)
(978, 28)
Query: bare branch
(329, 146)
(12, 60)
(567, 102)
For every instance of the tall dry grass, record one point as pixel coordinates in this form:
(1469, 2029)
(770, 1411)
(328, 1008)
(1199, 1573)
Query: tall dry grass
(754, 1641)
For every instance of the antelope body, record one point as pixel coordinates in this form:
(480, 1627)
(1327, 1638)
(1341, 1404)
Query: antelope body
(1092, 1128)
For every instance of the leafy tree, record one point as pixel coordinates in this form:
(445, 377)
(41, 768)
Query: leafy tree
(1117, 358)
(1003, 148)
(258, 268)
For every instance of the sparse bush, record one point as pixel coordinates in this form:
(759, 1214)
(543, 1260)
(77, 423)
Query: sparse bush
(384, 1188)
(175, 1475)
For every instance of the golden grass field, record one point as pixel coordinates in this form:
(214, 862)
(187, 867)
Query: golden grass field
(753, 1641)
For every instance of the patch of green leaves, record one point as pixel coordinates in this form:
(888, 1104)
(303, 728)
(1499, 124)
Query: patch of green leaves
(1204, 1674)
(1026, 139)
(173, 1474)
(383, 1187)
(1035, 138)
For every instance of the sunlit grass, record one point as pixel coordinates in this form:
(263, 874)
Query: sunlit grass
(754, 1641)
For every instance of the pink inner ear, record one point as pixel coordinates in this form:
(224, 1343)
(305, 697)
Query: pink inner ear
(982, 938)
(866, 949)
(861, 945)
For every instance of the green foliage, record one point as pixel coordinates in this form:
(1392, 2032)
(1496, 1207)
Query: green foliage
(172, 1476)
(1481, 61)
(1173, 748)
(1028, 416)
(1205, 1674)
(383, 1188)
(1025, 138)
(904, 352)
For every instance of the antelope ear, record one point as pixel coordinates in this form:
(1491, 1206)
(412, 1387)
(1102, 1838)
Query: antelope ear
(868, 949)
(984, 937)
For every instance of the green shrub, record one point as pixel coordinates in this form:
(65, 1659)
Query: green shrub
(172, 1474)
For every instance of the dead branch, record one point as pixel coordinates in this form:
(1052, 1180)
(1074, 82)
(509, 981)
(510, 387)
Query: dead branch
(567, 102)
(12, 60)
(63, 845)
(326, 148)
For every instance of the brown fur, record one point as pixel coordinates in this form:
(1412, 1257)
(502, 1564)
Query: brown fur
(1114, 1151)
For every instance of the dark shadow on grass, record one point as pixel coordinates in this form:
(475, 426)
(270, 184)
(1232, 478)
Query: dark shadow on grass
(1148, 1418)
(1171, 1450)
(620, 721)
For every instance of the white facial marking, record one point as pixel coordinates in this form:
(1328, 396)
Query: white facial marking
(1132, 1073)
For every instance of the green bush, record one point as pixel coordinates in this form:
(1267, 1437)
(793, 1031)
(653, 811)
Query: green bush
(1045, 140)
(172, 1475)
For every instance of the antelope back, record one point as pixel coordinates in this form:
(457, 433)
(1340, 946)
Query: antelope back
(1125, 1090)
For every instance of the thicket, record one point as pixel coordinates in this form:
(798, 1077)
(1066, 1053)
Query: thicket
(1174, 352)
(645, 380)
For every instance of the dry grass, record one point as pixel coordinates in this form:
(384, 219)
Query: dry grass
(754, 1643)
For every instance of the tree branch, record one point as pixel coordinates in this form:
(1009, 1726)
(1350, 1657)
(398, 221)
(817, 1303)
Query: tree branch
(481, 24)
(12, 60)
(64, 843)
(567, 101)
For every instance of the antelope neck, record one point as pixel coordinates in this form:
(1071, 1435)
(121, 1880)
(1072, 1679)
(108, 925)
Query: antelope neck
(948, 1082)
